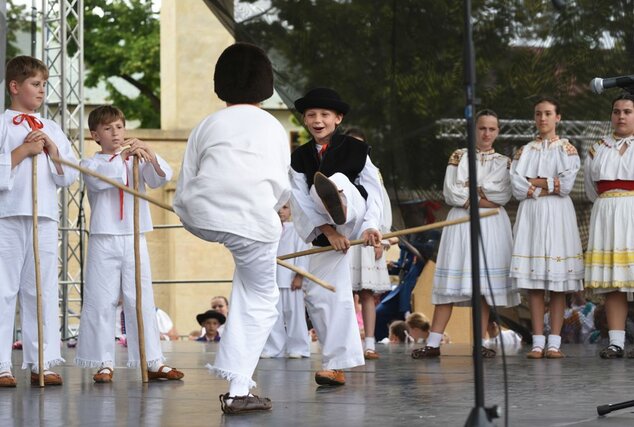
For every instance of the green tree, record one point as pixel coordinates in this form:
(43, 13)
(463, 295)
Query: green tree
(122, 39)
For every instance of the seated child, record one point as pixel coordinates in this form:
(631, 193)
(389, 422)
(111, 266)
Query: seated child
(210, 320)
(399, 332)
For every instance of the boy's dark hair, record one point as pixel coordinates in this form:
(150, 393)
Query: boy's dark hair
(548, 99)
(22, 67)
(104, 115)
(624, 96)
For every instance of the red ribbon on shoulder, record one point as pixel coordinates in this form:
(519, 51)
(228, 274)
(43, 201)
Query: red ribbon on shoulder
(33, 122)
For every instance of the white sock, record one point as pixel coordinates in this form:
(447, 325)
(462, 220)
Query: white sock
(617, 338)
(539, 342)
(5, 374)
(554, 342)
(156, 365)
(370, 343)
(434, 339)
(484, 342)
(238, 388)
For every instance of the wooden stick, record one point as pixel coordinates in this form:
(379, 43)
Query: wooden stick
(114, 183)
(307, 275)
(137, 274)
(165, 206)
(38, 279)
(412, 230)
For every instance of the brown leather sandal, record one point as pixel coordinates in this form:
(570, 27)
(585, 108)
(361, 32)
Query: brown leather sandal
(163, 374)
(242, 404)
(8, 380)
(50, 378)
(103, 375)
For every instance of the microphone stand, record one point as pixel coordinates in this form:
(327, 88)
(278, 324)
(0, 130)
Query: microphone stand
(479, 416)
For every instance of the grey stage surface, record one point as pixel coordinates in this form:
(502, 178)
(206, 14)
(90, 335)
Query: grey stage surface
(393, 391)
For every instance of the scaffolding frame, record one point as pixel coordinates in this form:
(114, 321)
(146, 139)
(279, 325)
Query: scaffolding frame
(62, 27)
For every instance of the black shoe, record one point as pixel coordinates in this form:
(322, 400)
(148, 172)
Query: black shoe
(331, 197)
(243, 404)
(426, 352)
(488, 353)
(612, 352)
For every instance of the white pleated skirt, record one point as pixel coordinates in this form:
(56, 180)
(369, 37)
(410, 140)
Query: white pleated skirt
(547, 252)
(452, 279)
(610, 254)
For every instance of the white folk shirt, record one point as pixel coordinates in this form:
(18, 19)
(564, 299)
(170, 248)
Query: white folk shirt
(493, 177)
(105, 202)
(544, 159)
(234, 176)
(605, 163)
(16, 183)
(308, 219)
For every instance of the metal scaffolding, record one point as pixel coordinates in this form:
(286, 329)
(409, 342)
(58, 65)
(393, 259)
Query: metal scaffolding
(62, 51)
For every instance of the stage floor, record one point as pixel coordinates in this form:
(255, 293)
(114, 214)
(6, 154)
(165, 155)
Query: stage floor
(392, 391)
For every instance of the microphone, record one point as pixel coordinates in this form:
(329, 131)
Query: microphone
(598, 85)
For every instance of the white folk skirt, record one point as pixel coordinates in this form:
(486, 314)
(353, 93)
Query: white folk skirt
(452, 280)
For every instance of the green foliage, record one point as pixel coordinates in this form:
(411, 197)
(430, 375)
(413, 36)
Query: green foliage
(399, 64)
(122, 39)
(18, 19)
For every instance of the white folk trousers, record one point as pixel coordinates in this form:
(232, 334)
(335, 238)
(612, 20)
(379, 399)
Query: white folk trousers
(290, 332)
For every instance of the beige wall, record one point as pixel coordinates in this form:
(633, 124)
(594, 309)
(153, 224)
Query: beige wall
(192, 39)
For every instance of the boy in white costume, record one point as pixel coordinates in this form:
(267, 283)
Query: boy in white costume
(110, 261)
(609, 183)
(453, 276)
(547, 254)
(24, 135)
(289, 336)
(336, 197)
(233, 181)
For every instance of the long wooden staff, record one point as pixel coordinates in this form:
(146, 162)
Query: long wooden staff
(137, 274)
(38, 285)
(412, 230)
(165, 206)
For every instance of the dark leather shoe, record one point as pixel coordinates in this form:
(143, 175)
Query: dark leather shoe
(49, 379)
(330, 196)
(244, 404)
(488, 353)
(612, 352)
(426, 352)
(330, 377)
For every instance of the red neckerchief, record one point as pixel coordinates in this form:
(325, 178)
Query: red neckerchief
(322, 151)
(125, 165)
(33, 122)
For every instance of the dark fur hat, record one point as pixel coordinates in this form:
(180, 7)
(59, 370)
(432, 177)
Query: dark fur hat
(322, 97)
(243, 75)
(211, 314)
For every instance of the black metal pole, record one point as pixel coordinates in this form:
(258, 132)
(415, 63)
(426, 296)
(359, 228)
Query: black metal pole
(478, 415)
(33, 28)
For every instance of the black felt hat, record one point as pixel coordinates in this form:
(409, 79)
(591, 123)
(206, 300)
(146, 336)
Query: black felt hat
(243, 75)
(211, 314)
(322, 97)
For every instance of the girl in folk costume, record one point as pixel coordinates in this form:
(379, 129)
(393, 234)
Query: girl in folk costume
(452, 280)
(547, 253)
(609, 183)
(368, 268)
(336, 197)
(289, 336)
(233, 181)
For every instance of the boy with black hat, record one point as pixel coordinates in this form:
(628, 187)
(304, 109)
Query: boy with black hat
(211, 320)
(336, 197)
(233, 181)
